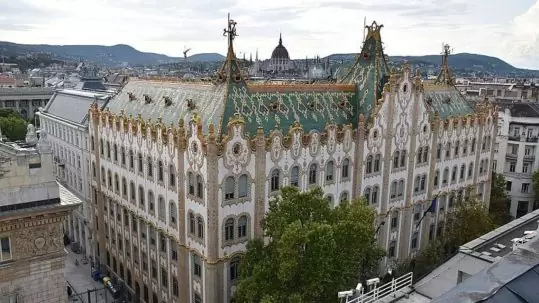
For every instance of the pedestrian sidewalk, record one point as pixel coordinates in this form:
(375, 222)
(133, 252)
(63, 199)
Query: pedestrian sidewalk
(80, 279)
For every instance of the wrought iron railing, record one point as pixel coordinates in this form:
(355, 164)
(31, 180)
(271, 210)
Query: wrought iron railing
(393, 288)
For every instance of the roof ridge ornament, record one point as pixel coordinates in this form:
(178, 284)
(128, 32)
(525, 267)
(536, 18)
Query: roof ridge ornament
(445, 76)
(230, 32)
(230, 68)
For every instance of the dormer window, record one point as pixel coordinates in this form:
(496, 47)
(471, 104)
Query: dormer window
(168, 101)
(147, 99)
(131, 96)
(190, 104)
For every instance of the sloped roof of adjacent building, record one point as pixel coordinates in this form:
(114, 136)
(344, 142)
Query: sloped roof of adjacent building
(73, 105)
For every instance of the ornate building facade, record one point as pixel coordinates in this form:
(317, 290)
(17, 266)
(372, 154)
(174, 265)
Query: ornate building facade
(32, 210)
(183, 172)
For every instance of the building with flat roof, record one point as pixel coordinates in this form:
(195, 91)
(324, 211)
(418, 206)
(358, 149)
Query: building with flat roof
(25, 100)
(33, 208)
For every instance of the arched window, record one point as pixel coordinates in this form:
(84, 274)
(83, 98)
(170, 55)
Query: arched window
(448, 151)
(94, 171)
(465, 147)
(131, 159)
(436, 177)
(229, 229)
(345, 168)
(473, 145)
(117, 183)
(200, 227)
(109, 178)
(400, 191)
(160, 174)
(457, 148)
(275, 174)
(425, 154)
(151, 202)
(141, 197)
(329, 171)
(171, 176)
(230, 187)
(200, 187)
(423, 185)
(234, 269)
(416, 184)
(312, 174)
(133, 192)
(344, 197)
(403, 158)
(294, 176)
(367, 194)
(439, 151)
(122, 155)
(377, 163)
(140, 163)
(108, 150)
(419, 154)
(242, 186)
(115, 152)
(150, 167)
(396, 159)
(101, 147)
(470, 170)
(393, 190)
(242, 227)
(191, 223)
(191, 183)
(454, 174)
(173, 213)
(368, 168)
(462, 171)
(124, 187)
(161, 210)
(374, 196)
(445, 176)
(330, 201)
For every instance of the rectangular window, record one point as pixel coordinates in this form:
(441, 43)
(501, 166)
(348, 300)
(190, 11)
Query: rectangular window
(197, 266)
(512, 166)
(5, 249)
(525, 167)
(508, 185)
(525, 187)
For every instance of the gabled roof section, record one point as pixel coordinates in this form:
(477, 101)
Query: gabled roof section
(370, 71)
(442, 96)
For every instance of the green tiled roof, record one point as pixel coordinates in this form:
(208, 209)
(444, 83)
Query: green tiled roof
(206, 100)
(279, 106)
(370, 72)
(446, 100)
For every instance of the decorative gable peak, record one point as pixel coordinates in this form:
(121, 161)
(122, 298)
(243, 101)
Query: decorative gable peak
(230, 72)
(445, 76)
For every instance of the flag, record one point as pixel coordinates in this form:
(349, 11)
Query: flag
(431, 209)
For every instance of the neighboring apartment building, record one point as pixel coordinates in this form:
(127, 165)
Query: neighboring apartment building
(517, 153)
(183, 172)
(32, 212)
(65, 119)
(517, 91)
(25, 100)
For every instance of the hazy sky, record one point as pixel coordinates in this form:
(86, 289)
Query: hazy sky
(502, 28)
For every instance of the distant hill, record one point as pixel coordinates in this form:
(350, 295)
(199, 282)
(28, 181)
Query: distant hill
(462, 62)
(99, 54)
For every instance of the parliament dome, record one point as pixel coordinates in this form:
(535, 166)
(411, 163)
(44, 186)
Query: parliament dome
(280, 51)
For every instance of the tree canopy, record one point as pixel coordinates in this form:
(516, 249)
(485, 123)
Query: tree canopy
(312, 250)
(500, 203)
(12, 125)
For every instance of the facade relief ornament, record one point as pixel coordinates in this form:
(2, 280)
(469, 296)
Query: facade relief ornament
(296, 144)
(276, 147)
(331, 142)
(347, 141)
(195, 155)
(237, 150)
(315, 143)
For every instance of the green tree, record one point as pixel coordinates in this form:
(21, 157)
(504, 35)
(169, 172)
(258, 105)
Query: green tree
(500, 203)
(14, 128)
(312, 252)
(467, 221)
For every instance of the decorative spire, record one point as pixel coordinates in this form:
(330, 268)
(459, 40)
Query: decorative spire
(256, 59)
(280, 39)
(445, 77)
(230, 69)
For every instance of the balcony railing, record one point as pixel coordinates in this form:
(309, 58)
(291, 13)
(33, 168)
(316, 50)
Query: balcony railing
(395, 289)
(514, 138)
(531, 139)
(511, 156)
(529, 158)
